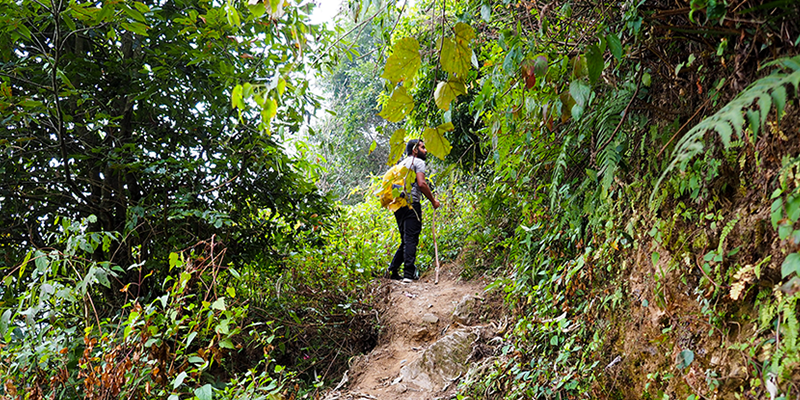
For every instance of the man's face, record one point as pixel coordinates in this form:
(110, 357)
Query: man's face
(421, 151)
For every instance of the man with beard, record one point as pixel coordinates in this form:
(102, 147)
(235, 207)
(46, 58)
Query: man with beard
(409, 219)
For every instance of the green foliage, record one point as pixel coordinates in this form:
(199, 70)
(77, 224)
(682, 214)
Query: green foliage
(404, 62)
(729, 120)
(167, 121)
(399, 105)
(456, 55)
(123, 110)
(397, 146)
(435, 142)
(341, 141)
(54, 343)
(785, 212)
(446, 92)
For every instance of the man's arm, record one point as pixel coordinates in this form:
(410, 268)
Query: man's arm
(425, 189)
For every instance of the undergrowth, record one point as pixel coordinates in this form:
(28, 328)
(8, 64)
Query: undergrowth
(214, 331)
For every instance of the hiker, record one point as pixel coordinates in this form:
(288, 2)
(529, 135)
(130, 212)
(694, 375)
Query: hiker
(409, 219)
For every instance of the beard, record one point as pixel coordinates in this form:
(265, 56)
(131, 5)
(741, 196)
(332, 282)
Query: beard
(422, 156)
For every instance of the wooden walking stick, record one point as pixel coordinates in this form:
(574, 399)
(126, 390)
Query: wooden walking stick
(435, 247)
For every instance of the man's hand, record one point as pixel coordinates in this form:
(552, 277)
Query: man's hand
(435, 204)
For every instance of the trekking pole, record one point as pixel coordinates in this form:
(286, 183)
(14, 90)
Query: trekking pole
(435, 247)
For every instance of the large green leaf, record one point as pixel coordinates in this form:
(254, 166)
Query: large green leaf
(455, 58)
(435, 141)
(133, 13)
(791, 265)
(594, 63)
(398, 106)
(404, 62)
(464, 33)
(578, 66)
(540, 65)
(579, 91)
(446, 92)
(136, 27)
(397, 144)
(236, 97)
(456, 55)
(615, 45)
(204, 392)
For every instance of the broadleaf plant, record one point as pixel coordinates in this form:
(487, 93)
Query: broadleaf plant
(436, 143)
(446, 92)
(404, 62)
(398, 106)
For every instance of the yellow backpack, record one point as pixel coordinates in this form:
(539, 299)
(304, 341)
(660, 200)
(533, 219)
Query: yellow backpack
(395, 187)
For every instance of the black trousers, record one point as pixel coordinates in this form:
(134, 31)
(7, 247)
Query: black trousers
(409, 224)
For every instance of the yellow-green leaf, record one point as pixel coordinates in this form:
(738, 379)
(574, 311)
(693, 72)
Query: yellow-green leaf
(257, 9)
(404, 62)
(372, 147)
(447, 91)
(234, 19)
(247, 90)
(236, 96)
(269, 110)
(397, 145)
(410, 178)
(281, 86)
(136, 27)
(464, 32)
(134, 14)
(398, 106)
(455, 57)
(143, 8)
(219, 304)
(435, 141)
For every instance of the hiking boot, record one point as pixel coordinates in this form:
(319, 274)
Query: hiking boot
(406, 280)
(392, 274)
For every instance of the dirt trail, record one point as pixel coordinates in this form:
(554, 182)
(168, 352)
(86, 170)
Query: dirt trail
(409, 328)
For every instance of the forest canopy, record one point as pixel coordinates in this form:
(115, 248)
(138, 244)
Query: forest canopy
(123, 111)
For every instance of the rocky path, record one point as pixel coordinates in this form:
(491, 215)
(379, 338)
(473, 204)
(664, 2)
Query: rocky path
(428, 335)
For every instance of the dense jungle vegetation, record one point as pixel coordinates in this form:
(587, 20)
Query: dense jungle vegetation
(185, 216)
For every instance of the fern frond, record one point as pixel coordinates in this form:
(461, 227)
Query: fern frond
(559, 170)
(791, 332)
(766, 314)
(725, 232)
(608, 117)
(729, 120)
